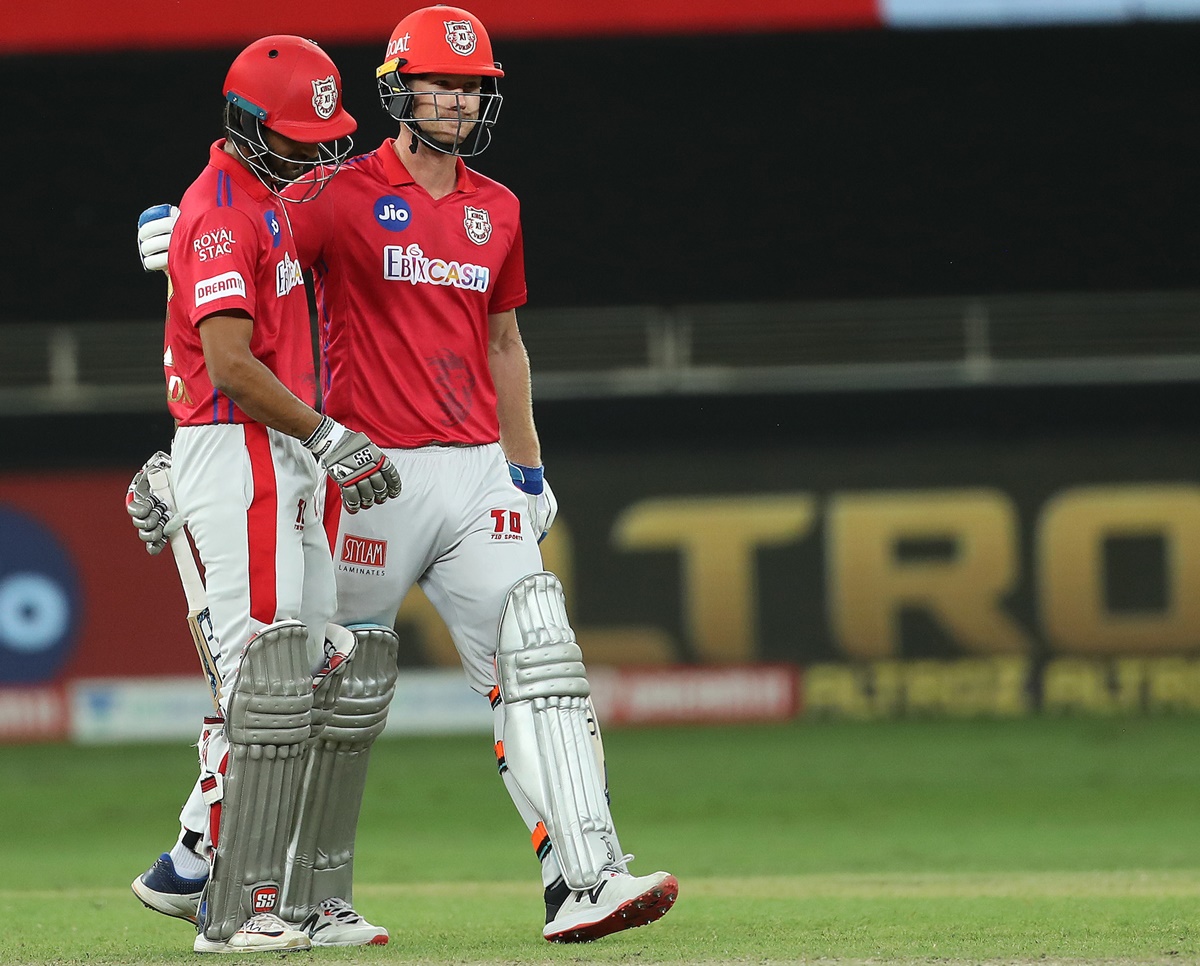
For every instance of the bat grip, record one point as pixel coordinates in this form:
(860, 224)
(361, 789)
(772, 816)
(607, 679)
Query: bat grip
(189, 573)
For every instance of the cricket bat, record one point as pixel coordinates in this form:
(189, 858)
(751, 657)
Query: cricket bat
(199, 620)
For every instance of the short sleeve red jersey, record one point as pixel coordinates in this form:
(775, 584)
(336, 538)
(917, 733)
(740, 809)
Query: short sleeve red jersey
(232, 249)
(404, 286)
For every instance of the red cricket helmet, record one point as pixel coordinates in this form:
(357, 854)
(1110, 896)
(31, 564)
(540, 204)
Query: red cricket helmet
(443, 40)
(440, 40)
(292, 87)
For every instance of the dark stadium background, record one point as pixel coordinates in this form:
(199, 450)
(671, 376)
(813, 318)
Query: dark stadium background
(657, 170)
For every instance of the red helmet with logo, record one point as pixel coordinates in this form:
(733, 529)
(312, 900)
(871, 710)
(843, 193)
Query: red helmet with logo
(450, 41)
(440, 40)
(292, 87)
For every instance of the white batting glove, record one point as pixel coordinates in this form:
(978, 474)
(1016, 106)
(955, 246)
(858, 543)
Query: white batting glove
(543, 507)
(155, 520)
(154, 236)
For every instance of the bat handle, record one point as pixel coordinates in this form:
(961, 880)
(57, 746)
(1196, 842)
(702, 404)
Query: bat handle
(189, 574)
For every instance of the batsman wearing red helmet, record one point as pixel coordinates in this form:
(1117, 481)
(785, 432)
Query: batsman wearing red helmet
(241, 387)
(418, 268)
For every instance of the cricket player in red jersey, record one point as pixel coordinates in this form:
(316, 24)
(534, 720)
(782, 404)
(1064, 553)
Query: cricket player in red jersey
(240, 385)
(418, 267)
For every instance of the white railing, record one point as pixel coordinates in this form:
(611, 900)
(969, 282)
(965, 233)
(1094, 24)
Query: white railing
(1046, 339)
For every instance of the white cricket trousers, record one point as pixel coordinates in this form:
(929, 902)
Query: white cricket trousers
(458, 529)
(249, 496)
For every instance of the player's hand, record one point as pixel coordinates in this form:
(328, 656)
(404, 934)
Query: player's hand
(154, 519)
(359, 467)
(543, 507)
(154, 236)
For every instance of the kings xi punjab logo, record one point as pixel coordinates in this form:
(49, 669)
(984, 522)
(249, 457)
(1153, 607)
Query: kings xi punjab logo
(460, 35)
(477, 223)
(325, 95)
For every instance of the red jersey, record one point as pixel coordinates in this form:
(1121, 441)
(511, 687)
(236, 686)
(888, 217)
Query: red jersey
(232, 248)
(404, 286)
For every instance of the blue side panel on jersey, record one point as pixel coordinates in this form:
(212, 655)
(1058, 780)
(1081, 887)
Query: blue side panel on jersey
(224, 190)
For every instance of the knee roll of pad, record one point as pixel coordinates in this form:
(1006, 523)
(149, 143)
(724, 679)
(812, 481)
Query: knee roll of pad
(360, 713)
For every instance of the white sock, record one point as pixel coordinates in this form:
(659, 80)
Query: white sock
(187, 863)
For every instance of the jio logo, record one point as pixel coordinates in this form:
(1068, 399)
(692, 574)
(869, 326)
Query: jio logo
(393, 213)
(272, 221)
(39, 600)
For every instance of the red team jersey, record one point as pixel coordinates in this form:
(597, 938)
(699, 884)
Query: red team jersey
(404, 286)
(232, 248)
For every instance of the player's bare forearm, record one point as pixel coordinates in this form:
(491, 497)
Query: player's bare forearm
(509, 364)
(256, 390)
(261, 396)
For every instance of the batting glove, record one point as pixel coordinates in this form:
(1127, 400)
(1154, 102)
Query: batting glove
(154, 236)
(359, 468)
(543, 507)
(154, 519)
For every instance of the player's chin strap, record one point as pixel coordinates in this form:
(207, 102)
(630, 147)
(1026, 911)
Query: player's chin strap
(321, 852)
(550, 736)
(252, 777)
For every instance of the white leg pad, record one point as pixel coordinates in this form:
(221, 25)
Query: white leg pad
(252, 791)
(549, 745)
(321, 854)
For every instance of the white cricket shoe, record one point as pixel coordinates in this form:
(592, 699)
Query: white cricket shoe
(264, 933)
(335, 923)
(618, 901)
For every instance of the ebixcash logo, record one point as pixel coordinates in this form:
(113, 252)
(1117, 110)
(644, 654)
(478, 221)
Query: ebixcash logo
(288, 274)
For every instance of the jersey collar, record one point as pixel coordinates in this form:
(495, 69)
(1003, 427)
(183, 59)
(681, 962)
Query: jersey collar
(397, 173)
(242, 176)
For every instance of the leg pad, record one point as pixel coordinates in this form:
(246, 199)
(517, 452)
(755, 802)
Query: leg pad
(549, 729)
(321, 853)
(252, 775)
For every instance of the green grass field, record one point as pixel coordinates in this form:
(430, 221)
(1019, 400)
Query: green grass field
(1032, 841)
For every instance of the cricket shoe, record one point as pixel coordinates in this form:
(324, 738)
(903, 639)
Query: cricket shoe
(264, 933)
(618, 901)
(335, 923)
(164, 890)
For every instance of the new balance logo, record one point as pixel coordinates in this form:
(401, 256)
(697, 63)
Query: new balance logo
(593, 894)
